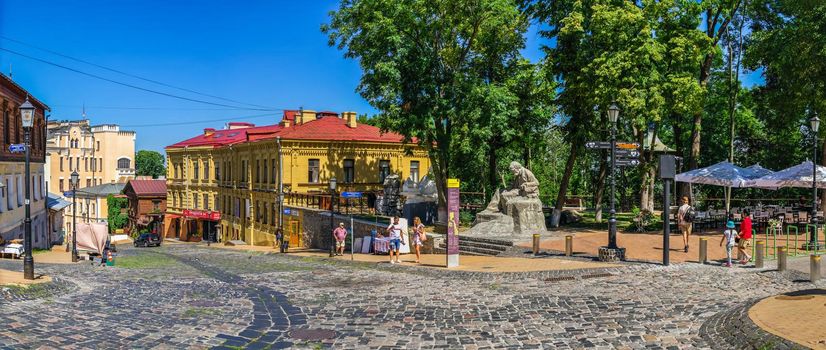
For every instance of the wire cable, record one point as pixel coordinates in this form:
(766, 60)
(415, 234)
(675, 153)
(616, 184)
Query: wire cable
(197, 121)
(152, 108)
(127, 74)
(126, 84)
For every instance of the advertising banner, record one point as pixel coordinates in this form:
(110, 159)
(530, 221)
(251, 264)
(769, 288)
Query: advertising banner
(452, 223)
(203, 214)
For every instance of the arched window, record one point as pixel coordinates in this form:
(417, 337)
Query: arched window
(123, 163)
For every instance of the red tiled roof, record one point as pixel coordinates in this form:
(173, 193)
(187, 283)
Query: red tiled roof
(148, 188)
(224, 137)
(325, 128)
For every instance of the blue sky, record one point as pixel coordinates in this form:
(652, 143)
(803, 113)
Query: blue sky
(269, 53)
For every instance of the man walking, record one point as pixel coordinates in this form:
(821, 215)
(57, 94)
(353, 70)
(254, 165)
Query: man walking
(340, 233)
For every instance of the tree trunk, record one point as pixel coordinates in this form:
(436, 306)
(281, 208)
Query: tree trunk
(600, 193)
(492, 165)
(563, 185)
(526, 156)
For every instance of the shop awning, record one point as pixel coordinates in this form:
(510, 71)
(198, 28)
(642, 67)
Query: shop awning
(54, 202)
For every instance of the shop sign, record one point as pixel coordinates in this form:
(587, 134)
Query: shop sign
(203, 214)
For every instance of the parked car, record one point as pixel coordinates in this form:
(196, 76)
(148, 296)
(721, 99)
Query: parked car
(148, 240)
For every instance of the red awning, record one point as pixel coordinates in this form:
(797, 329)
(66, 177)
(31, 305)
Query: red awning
(172, 216)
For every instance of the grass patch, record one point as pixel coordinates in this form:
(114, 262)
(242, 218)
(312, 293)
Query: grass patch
(33, 291)
(36, 251)
(196, 312)
(144, 261)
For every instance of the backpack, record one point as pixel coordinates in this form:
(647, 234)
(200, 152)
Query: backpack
(689, 215)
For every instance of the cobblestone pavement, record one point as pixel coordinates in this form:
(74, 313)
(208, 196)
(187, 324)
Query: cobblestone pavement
(198, 297)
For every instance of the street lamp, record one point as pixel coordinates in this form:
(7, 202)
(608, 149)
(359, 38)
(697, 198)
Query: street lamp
(332, 200)
(613, 115)
(814, 123)
(27, 117)
(73, 181)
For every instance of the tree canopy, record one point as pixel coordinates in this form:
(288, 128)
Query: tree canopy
(149, 163)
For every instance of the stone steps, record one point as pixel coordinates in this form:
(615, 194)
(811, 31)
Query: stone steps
(469, 245)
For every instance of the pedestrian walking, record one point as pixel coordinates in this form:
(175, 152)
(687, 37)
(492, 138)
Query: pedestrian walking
(394, 232)
(419, 236)
(729, 238)
(744, 239)
(685, 219)
(279, 238)
(340, 233)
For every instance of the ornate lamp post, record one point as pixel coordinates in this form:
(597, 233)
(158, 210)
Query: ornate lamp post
(27, 117)
(73, 181)
(332, 223)
(613, 115)
(814, 123)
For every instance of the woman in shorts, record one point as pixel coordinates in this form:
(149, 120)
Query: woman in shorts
(419, 236)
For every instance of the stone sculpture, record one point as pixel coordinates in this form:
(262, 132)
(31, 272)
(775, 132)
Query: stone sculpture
(513, 212)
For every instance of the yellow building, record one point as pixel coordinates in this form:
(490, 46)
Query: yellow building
(101, 154)
(226, 182)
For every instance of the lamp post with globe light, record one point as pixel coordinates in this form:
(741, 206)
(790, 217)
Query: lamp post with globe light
(27, 118)
(73, 181)
(332, 219)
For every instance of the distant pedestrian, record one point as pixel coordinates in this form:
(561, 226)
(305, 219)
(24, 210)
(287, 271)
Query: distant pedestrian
(394, 232)
(419, 236)
(744, 240)
(729, 238)
(279, 238)
(685, 218)
(340, 233)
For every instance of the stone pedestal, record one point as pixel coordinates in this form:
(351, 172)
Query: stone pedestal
(518, 217)
(607, 254)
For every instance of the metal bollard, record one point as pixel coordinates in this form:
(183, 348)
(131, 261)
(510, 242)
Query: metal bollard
(569, 245)
(703, 250)
(781, 259)
(758, 255)
(535, 244)
(815, 268)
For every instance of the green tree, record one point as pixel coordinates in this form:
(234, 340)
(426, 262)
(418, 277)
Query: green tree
(149, 163)
(116, 219)
(426, 63)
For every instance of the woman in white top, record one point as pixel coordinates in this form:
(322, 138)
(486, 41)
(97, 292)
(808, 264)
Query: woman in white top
(394, 231)
(419, 236)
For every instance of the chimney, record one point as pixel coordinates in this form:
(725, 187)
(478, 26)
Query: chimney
(305, 116)
(285, 123)
(350, 117)
(209, 131)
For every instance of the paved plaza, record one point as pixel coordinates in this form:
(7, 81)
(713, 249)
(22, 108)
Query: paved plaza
(191, 296)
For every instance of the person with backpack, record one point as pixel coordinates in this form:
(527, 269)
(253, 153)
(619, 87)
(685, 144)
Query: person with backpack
(685, 218)
(730, 238)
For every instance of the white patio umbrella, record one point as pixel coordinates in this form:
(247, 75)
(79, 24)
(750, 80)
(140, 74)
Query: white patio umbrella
(722, 174)
(797, 176)
(759, 171)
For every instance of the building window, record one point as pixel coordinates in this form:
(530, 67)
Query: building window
(88, 182)
(77, 163)
(349, 171)
(8, 195)
(195, 166)
(264, 177)
(414, 171)
(265, 213)
(195, 201)
(61, 164)
(384, 169)
(244, 171)
(85, 164)
(7, 137)
(156, 205)
(124, 163)
(60, 186)
(206, 170)
(98, 146)
(312, 176)
(274, 172)
(217, 172)
(257, 171)
(206, 201)
(69, 159)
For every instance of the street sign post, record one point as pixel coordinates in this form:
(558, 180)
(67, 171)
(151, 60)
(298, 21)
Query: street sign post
(627, 162)
(350, 194)
(598, 145)
(627, 153)
(628, 145)
(17, 148)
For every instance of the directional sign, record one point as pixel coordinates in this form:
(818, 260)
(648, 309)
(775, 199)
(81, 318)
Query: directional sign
(350, 194)
(287, 211)
(17, 148)
(598, 144)
(627, 153)
(628, 145)
(627, 162)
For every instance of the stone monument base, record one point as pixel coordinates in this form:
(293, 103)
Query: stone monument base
(608, 254)
(520, 217)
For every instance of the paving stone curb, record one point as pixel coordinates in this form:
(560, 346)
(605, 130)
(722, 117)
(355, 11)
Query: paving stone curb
(733, 329)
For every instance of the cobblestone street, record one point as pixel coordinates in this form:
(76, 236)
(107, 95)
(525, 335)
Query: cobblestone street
(197, 297)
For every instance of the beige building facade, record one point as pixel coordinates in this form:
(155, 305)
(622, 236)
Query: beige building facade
(101, 154)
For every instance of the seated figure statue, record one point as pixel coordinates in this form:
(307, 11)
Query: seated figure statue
(515, 210)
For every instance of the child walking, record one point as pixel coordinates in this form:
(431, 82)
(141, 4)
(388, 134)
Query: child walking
(729, 237)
